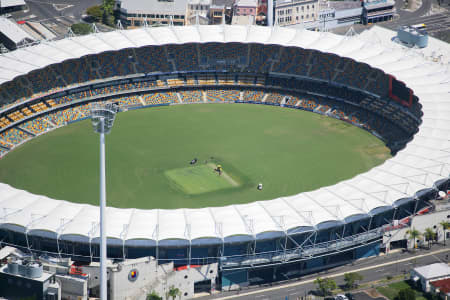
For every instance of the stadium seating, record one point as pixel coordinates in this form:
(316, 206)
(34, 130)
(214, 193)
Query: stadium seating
(191, 96)
(226, 79)
(74, 71)
(293, 60)
(254, 96)
(45, 80)
(323, 66)
(4, 144)
(292, 101)
(184, 56)
(379, 84)
(14, 136)
(274, 98)
(222, 95)
(218, 56)
(308, 104)
(354, 74)
(37, 126)
(4, 122)
(16, 116)
(132, 100)
(17, 91)
(152, 59)
(66, 116)
(116, 63)
(160, 98)
(246, 80)
(261, 57)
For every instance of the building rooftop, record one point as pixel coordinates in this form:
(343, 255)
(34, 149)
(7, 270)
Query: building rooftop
(11, 3)
(14, 32)
(341, 5)
(443, 285)
(175, 7)
(226, 3)
(44, 277)
(433, 271)
(246, 3)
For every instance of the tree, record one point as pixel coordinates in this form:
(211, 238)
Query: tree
(406, 294)
(413, 235)
(81, 28)
(108, 12)
(351, 279)
(153, 296)
(95, 12)
(325, 285)
(445, 225)
(429, 236)
(174, 292)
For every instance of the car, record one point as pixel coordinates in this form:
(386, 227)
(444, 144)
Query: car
(341, 297)
(350, 296)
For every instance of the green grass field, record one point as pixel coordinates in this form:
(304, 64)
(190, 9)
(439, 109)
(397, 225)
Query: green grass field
(288, 150)
(391, 291)
(199, 179)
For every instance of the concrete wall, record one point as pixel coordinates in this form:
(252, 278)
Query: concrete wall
(153, 277)
(122, 285)
(72, 287)
(420, 223)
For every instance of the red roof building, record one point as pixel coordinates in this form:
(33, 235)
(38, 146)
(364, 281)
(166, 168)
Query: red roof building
(441, 288)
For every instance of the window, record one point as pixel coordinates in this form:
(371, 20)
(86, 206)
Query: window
(307, 6)
(307, 16)
(297, 8)
(302, 17)
(296, 18)
(312, 6)
(303, 8)
(312, 15)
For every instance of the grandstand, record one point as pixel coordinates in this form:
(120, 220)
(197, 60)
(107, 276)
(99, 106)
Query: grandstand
(316, 72)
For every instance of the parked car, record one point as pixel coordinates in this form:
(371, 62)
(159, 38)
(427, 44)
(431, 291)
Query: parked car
(341, 297)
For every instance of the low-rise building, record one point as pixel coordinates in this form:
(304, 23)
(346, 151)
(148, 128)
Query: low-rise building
(291, 12)
(12, 35)
(245, 8)
(7, 6)
(335, 14)
(422, 276)
(133, 13)
(441, 288)
(198, 10)
(220, 9)
(26, 279)
(375, 11)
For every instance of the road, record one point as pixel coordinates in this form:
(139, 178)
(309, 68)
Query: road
(437, 23)
(57, 15)
(372, 269)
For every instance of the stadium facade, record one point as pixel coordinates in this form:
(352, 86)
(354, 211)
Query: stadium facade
(353, 78)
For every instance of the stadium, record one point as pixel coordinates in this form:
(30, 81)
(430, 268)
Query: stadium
(397, 94)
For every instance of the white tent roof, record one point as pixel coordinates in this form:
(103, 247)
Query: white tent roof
(425, 160)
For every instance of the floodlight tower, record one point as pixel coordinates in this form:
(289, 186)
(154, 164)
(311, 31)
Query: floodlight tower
(102, 116)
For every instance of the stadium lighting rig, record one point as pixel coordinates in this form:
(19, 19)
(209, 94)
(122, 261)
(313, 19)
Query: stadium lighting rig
(102, 116)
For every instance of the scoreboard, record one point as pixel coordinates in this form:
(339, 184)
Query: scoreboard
(399, 92)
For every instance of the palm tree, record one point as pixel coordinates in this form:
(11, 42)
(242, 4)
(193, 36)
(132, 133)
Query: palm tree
(413, 235)
(174, 292)
(154, 296)
(429, 235)
(445, 225)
